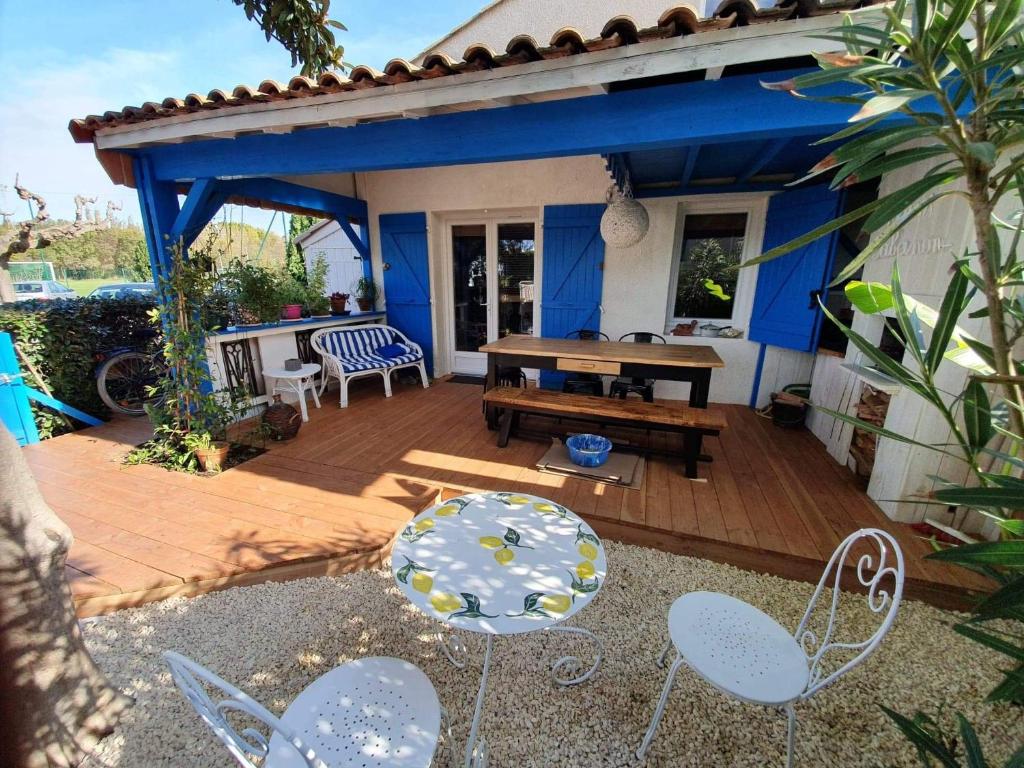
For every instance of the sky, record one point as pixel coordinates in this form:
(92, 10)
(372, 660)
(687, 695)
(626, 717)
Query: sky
(61, 59)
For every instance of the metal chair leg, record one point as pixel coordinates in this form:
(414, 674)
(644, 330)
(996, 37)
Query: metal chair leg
(664, 653)
(660, 709)
(791, 735)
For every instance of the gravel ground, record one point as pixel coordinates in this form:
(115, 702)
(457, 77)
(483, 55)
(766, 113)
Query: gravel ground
(274, 639)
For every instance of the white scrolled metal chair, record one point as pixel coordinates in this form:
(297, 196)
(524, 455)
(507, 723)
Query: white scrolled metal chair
(748, 655)
(352, 351)
(372, 712)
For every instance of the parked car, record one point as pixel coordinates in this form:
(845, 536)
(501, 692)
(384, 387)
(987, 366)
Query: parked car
(122, 289)
(42, 290)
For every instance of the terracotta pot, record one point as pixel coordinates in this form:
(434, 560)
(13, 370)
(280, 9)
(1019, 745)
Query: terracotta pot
(291, 312)
(212, 459)
(365, 305)
(338, 305)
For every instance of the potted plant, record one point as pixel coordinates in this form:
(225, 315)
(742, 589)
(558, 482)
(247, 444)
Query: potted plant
(366, 293)
(292, 296)
(211, 454)
(256, 291)
(338, 301)
(316, 289)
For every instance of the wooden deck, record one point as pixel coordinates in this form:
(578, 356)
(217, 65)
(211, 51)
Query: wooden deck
(331, 500)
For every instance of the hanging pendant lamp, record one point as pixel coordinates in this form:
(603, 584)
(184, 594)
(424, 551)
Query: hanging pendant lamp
(625, 221)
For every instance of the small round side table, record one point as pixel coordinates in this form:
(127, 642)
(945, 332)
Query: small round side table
(295, 382)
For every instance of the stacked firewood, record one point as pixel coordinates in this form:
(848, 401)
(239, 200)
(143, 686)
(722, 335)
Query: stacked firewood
(872, 407)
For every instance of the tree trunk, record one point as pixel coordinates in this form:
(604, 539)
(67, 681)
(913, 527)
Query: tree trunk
(6, 283)
(981, 212)
(56, 704)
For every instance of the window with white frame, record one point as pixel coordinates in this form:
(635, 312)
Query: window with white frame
(705, 269)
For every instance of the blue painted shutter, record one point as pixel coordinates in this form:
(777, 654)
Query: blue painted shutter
(15, 411)
(573, 274)
(403, 245)
(785, 314)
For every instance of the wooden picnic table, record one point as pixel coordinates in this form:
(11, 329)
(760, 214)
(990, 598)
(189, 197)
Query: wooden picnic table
(672, 362)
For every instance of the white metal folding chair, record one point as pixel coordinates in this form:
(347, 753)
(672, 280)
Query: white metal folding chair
(746, 654)
(372, 712)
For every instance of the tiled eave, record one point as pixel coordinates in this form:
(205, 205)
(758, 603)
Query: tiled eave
(620, 36)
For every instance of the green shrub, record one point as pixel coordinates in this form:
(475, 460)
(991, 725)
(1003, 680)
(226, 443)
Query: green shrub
(62, 340)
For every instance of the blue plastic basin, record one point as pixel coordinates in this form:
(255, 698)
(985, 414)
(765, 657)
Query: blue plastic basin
(588, 450)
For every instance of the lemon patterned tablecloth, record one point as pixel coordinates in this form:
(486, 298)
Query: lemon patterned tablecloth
(499, 563)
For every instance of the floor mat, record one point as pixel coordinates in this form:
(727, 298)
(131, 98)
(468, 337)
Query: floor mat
(623, 469)
(462, 378)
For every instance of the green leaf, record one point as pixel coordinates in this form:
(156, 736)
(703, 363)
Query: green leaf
(977, 415)
(888, 102)
(875, 429)
(953, 303)
(972, 747)
(511, 536)
(1006, 599)
(920, 738)
(1001, 498)
(882, 361)
(1008, 553)
(989, 640)
(984, 151)
(869, 298)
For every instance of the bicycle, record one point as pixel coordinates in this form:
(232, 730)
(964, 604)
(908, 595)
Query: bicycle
(124, 379)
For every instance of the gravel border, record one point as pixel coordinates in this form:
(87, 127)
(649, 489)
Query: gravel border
(274, 639)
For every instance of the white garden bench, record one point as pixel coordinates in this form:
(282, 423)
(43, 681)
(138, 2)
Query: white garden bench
(367, 350)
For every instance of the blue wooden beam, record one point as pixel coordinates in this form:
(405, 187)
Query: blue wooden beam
(201, 205)
(706, 112)
(286, 193)
(158, 203)
(708, 189)
(771, 150)
(354, 237)
(692, 152)
(61, 407)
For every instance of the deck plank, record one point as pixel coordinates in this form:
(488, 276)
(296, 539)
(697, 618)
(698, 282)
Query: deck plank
(772, 499)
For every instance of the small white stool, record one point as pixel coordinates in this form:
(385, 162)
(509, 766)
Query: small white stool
(296, 382)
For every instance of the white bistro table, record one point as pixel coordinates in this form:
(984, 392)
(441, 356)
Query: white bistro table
(501, 564)
(296, 382)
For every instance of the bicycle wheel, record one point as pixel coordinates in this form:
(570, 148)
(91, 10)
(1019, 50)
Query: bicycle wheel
(123, 381)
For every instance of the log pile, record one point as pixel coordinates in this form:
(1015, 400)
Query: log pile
(872, 408)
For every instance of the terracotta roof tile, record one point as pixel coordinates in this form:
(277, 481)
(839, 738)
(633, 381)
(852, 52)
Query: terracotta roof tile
(617, 32)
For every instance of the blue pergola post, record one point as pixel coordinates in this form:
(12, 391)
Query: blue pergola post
(158, 202)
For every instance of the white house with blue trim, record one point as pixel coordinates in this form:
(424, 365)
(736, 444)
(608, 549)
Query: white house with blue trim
(475, 184)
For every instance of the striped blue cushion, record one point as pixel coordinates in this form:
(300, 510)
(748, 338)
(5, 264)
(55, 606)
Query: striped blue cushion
(356, 348)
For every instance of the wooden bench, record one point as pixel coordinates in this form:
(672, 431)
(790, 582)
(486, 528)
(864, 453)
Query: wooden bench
(692, 423)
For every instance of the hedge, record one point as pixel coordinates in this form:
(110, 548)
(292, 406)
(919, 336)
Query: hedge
(62, 340)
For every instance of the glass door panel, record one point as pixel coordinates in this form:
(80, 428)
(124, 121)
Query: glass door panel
(469, 279)
(514, 270)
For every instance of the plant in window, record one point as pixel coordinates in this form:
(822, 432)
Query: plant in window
(706, 263)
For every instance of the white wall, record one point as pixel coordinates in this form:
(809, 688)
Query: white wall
(636, 280)
(344, 266)
(501, 21)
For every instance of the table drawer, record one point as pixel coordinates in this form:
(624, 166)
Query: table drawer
(588, 366)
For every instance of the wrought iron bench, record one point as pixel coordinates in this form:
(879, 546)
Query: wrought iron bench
(692, 423)
(368, 350)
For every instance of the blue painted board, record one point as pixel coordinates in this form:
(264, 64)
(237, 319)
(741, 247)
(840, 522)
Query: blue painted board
(403, 249)
(573, 275)
(785, 312)
(733, 109)
(15, 411)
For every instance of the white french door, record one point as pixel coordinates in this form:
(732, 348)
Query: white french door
(493, 269)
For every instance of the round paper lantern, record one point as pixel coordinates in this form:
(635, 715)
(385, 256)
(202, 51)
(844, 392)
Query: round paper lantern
(625, 221)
